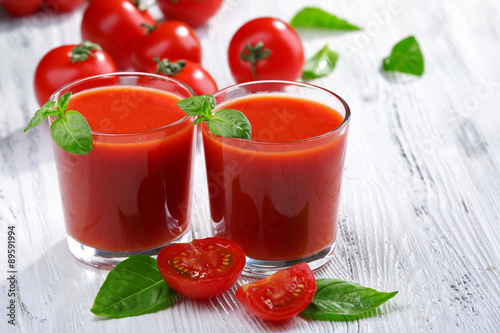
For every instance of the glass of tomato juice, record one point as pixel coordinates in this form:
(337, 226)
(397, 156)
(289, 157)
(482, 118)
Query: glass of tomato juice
(132, 193)
(277, 194)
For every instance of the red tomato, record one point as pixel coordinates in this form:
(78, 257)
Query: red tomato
(264, 49)
(203, 268)
(193, 12)
(63, 6)
(56, 68)
(117, 25)
(171, 40)
(187, 71)
(279, 296)
(20, 7)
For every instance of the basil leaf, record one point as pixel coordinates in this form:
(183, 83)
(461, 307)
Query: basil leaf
(72, 133)
(197, 105)
(405, 57)
(336, 297)
(321, 64)
(62, 104)
(311, 17)
(40, 115)
(134, 287)
(231, 124)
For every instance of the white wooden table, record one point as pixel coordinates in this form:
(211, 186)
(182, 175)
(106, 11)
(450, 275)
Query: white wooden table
(420, 208)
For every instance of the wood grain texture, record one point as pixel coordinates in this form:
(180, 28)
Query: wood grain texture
(419, 210)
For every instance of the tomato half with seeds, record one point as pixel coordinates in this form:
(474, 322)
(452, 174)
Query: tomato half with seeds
(279, 296)
(203, 268)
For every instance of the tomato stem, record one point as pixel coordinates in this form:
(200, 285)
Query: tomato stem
(82, 51)
(169, 68)
(252, 54)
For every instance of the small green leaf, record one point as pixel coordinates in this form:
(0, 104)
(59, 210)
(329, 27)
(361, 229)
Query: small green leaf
(197, 105)
(62, 104)
(336, 298)
(321, 64)
(134, 287)
(40, 115)
(311, 17)
(72, 133)
(230, 123)
(405, 57)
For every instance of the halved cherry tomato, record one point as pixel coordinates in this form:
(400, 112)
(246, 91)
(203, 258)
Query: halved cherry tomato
(116, 25)
(266, 48)
(187, 71)
(67, 63)
(279, 296)
(20, 7)
(203, 268)
(171, 40)
(193, 12)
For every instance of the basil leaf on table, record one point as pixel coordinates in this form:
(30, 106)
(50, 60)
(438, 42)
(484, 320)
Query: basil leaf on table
(336, 298)
(321, 64)
(406, 57)
(311, 17)
(134, 287)
(230, 123)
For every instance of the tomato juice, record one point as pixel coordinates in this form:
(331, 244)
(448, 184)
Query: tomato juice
(132, 192)
(277, 195)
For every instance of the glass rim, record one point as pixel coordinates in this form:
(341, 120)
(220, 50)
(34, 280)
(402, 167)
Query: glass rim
(340, 128)
(124, 74)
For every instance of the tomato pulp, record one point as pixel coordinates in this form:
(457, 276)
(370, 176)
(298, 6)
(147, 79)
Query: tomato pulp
(277, 196)
(132, 192)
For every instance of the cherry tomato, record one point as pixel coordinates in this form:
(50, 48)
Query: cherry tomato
(187, 71)
(193, 12)
(20, 7)
(266, 48)
(67, 63)
(279, 296)
(171, 40)
(203, 268)
(63, 6)
(117, 25)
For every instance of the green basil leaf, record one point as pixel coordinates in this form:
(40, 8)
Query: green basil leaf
(134, 287)
(321, 64)
(311, 17)
(200, 119)
(336, 297)
(62, 104)
(231, 124)
(72, 133)
(405, 57)
(40, 115)
(197, 105)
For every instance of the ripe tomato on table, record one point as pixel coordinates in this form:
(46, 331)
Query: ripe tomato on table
(193, 12)
(67, 63)
(20, 7)
(187, 71)
(266, 48)
(203, 268)
(117, 25)
(279, 296)
(169, 39)
(63, 6)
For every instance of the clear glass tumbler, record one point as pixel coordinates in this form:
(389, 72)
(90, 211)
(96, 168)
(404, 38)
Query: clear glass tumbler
(277, 195)
(132, 193)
